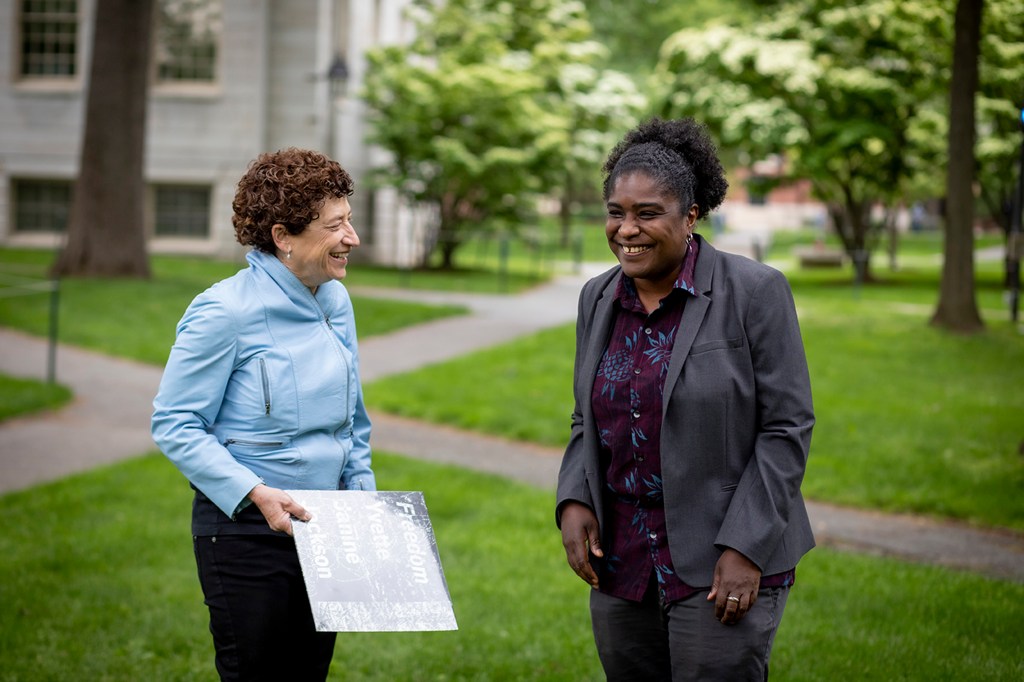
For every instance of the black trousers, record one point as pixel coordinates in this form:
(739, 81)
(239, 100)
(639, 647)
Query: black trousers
(260, 618)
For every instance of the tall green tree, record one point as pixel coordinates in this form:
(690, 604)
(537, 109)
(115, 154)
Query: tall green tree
(847, 91)
(957, 308)
(106, 224)
(471, 111)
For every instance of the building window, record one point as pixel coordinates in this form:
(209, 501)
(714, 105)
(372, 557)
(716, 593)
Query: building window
(41, 205)
(188, 33)
(182, 211)
(49, 37)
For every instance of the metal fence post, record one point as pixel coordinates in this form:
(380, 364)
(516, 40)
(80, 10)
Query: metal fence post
(51, 359)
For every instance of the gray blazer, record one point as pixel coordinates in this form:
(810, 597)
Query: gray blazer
(736, 418)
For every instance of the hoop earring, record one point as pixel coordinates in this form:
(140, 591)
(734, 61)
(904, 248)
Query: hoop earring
(288, 255)
(689, 238)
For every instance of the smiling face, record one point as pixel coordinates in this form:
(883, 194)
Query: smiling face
(320, 252)
(647, 231)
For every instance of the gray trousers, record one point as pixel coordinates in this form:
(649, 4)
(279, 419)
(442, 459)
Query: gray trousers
(683, 641)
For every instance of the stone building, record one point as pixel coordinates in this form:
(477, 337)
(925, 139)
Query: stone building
(230, 79)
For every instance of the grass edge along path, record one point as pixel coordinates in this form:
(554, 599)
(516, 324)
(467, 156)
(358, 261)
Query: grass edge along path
(19, 396)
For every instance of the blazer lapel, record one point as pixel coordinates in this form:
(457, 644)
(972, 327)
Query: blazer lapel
(695, 310)
(601, 328)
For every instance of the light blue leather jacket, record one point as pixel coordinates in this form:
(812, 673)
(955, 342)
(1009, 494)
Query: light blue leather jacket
(262, 385)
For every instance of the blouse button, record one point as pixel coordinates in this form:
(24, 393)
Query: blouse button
(636, 370)
(647, 330)
(636, 414)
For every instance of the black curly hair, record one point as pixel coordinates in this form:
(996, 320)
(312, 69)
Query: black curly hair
(679, 154)
(289, 187)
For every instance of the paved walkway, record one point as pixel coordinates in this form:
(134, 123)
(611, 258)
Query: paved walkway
(109, 421)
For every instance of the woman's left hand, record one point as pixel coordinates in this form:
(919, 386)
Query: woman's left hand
(734, 590)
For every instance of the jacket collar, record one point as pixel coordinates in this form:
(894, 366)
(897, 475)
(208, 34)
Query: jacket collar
(707, 256)
(271, 266)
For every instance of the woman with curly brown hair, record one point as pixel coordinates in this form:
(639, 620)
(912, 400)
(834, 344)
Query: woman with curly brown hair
(679, 493)
(261, 394)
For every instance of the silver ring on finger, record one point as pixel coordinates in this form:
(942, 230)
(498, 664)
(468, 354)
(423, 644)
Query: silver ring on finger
(733, 598)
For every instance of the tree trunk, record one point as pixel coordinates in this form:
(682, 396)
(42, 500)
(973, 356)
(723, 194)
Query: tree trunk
(448, 248)
(851, 224)
(448, 232)
(893, 232)
(106, 230)
(957, 308)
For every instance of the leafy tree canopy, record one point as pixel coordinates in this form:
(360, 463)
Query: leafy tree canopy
(479, 112)
(855, 95)
(851, 93)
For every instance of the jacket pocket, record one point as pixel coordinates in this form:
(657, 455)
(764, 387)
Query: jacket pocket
(254, 443)
(719, 344)
(265, 384)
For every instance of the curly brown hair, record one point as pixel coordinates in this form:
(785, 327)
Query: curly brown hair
(287, 187)
(678, 153)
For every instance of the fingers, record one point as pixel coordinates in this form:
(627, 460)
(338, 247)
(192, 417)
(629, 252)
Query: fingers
(577, 553)
(730, 609)
(580, 539)
(295, 509)
(278, 508)
(735, 586)
(290, 509)
(731, 605)
(282, 522)
(585, 571)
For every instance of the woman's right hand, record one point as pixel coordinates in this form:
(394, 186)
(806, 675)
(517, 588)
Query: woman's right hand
(278, 507)
(581, 538)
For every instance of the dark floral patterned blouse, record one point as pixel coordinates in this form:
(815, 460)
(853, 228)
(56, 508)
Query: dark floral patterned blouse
(627, 400)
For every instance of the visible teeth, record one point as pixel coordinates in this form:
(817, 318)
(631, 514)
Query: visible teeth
(634, 249)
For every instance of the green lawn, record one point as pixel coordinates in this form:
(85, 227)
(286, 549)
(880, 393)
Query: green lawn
(910, 418)
(98, 583)
(98, 579)
(24, 396)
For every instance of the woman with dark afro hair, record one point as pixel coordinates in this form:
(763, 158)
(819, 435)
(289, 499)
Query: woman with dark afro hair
(679, 492)
(260, 395)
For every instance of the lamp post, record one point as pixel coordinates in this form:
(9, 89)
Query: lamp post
(337, 78)
(338, 73)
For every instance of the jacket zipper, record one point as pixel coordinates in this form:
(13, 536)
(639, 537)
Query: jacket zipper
(341, 354)
(266, 386)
